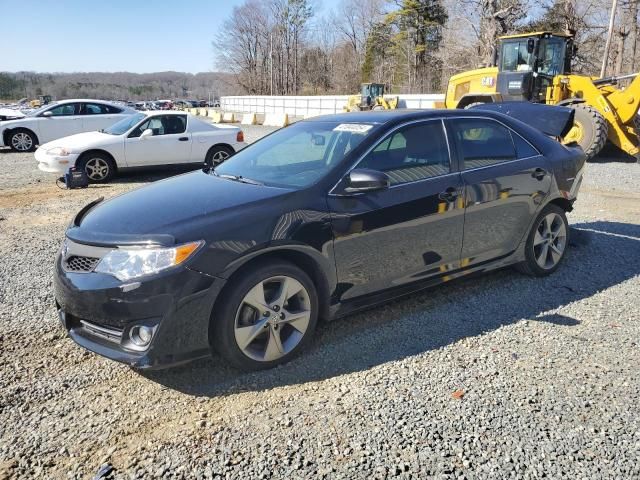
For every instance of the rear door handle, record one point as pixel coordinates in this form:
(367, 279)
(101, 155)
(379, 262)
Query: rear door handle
(539, 173)
(449, 195)
(183, 139)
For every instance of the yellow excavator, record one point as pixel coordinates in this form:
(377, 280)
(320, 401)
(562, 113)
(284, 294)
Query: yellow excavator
(371, 97)
(41, 101)
(536, 67)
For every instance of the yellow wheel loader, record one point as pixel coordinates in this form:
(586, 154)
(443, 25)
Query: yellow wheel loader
(536, 67)
(41, 101)
(371, 97)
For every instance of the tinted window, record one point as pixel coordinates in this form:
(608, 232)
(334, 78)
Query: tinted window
(482, 142)
(94, 109)
(523, 148)
(411, 153)
(112, 109)
(64, 110)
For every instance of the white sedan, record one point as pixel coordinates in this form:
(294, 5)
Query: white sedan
(60, 119)
(142, 140)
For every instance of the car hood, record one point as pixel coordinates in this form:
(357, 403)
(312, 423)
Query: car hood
(171, 211)
(80, 141)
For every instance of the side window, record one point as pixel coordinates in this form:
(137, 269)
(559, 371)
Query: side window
(154, 123)
(111, 109)
(64, 110)
(412, 153)
(482, 142)
(94, 109)
(523, 148)
(174, 124)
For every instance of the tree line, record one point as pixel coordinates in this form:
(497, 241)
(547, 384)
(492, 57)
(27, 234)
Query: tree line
(288, 47)
(116, 86)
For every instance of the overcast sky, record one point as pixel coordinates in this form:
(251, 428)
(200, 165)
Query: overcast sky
(113, 35)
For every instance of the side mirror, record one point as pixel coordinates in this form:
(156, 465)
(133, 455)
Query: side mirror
(365, 180)
(47, 114)
(147, 133)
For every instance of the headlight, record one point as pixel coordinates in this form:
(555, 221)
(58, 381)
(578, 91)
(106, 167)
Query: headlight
(59, 151)
(128, 263)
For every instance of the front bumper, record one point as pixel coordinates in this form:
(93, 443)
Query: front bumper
(55, 163)
(98, 312)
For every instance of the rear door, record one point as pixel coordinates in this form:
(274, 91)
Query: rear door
(505, 182)
(169, 144)
(96, 116)
(65, 120)
(408, 232)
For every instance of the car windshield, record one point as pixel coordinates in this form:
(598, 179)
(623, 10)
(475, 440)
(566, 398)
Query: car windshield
(124, 125)
(296, 156)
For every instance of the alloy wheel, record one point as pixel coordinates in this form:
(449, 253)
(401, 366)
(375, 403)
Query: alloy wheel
(550, 241)
(97, 169)
(22, 142)
(218, 157)
(272, 318)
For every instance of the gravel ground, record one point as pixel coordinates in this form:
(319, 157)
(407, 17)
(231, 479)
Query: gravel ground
(500, 376)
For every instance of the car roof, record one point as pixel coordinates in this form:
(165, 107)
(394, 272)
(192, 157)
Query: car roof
(392, 116)
(151, 113)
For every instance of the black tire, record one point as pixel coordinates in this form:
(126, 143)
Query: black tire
(594, 129)
(530, 265)
(222, 335)
(210, 159)
(19, 136)
(91, 161)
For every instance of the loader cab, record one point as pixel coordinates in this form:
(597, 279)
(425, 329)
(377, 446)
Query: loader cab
(528, 63)
(368, 94)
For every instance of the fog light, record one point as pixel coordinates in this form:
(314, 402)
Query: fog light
(141, 335)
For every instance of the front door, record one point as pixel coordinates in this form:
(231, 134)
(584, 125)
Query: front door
(505, 182)
(64, 120)
(169, 144)
(96, 116)
(409, 232)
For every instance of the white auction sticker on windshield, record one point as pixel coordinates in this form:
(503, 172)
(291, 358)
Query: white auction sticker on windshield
(353, 128)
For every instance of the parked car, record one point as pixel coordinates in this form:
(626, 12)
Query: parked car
(60, 119)
(164, 104)
(10, 114)
(317, 220)
(141, 140)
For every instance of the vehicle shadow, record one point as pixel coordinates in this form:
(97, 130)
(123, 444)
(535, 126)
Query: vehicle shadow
(612, 154)
(601, 257)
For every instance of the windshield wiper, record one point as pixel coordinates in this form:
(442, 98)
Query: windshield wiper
(237, 178)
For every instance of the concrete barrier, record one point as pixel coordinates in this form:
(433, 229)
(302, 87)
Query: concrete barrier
(276, 119)
(211, 113)
(203, 112)
(249, 119)
(228, 117)
(216, 117)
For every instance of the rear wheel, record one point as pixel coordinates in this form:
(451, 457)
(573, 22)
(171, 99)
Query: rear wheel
(22, 140)
(547, 242)
(268, 315)
(589, 130)
(98, 167)
(216, 155)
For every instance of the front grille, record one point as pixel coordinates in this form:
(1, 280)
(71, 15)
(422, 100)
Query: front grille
(76, 263)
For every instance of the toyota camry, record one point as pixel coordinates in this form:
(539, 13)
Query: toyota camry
(315, 221)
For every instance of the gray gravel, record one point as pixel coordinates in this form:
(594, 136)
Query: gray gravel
(502, 376)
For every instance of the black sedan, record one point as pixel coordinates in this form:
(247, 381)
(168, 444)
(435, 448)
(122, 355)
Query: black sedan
(315, 221)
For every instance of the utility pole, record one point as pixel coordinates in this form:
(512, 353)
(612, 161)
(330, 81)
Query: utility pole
(607, 45)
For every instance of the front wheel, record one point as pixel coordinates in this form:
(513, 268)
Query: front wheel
(22, 140)
(98, 167)
(268, 315)
(590, 130)
(547, 242)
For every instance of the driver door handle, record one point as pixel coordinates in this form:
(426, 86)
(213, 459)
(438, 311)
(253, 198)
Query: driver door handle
(183, 139)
